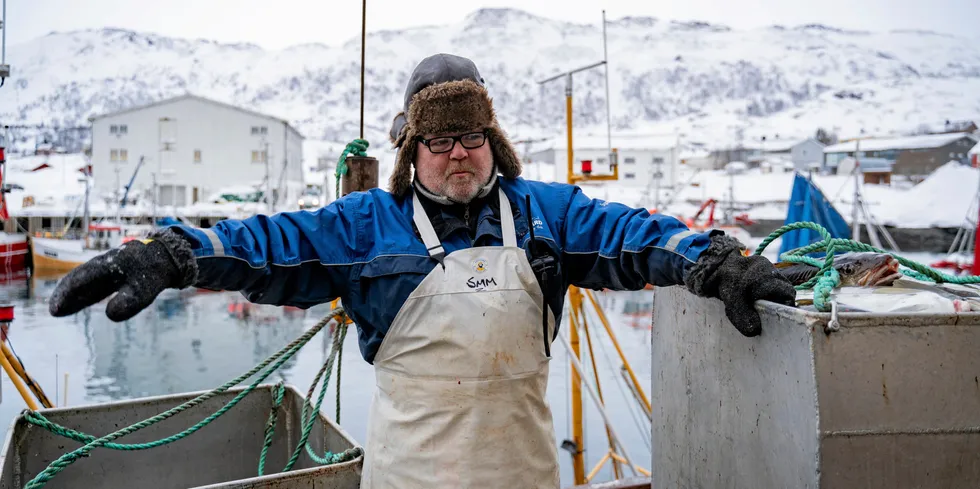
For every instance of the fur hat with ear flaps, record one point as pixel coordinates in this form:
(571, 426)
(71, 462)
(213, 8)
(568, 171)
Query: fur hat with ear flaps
(446, 107)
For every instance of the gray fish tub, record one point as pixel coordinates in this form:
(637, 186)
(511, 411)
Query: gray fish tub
(223, 454)
(886, 400)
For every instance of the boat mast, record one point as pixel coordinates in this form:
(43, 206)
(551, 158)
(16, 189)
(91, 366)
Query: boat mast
(4, 67)
(87, 216)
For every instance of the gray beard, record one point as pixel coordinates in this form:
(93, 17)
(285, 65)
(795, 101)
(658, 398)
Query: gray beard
(442, 199)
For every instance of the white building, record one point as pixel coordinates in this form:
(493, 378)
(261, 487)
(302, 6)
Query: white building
(642, 159)
(193, 147)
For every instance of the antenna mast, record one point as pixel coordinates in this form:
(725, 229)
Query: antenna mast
(4, 67)
(363, 37)
(605, 62)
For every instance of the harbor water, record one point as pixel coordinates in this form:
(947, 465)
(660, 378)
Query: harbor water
(194, 340)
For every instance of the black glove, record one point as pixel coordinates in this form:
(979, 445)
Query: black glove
(724, 273)
(137, 271)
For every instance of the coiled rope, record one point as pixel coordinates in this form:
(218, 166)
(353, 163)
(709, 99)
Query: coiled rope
(828, 278)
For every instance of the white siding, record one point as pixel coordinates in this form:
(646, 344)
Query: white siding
(210, 146)
(806, 153)
(637, 167)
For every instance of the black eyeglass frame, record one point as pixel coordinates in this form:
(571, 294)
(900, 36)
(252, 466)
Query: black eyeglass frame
(427, 142)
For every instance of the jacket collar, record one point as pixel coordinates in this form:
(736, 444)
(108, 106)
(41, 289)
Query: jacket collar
(484, 216)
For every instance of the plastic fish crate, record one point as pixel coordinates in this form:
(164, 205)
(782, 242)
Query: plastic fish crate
(223, 454)
(886, 400)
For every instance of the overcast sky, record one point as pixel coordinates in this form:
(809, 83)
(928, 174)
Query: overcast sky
(278, 23)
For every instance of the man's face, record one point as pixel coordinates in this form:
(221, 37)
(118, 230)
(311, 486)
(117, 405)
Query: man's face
(457, 173)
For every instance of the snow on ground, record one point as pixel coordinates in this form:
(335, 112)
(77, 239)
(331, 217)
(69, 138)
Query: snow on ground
(945, 199)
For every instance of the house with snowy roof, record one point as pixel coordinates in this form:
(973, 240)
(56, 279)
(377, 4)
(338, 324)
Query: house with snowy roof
(805, 154)
(914, 156)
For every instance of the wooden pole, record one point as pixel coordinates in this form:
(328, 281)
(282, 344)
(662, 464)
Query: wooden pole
(18, 383)
(362, 171)
(362, 174)
(578, 460)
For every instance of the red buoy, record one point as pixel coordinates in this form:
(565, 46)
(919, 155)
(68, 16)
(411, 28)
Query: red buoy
(6, 313)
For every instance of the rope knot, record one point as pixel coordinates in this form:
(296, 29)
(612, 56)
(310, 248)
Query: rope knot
(357, 147)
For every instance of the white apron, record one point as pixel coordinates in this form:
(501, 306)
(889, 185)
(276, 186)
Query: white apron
(462, 374)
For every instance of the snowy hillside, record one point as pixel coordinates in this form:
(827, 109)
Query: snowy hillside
(714, 84)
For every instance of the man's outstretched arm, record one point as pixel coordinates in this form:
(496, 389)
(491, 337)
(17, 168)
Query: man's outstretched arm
(610, 245)
(297, 258)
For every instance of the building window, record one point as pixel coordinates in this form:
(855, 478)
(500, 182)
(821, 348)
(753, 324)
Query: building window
(114, 154)
(123, 129)
(658, 160)
(629, 160)
(197, 156)
(258, 156)
(118, 129)
(259, 130)
(629, 176)
(123, 155)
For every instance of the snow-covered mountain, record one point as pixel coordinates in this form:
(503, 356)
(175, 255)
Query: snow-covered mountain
(713, 84)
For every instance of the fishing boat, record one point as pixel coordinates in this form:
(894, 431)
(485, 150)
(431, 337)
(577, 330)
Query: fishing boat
(52, 255)
(61, 255)
(13, 252)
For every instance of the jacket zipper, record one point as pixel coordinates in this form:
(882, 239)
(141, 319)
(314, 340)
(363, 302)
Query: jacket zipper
(466, 219)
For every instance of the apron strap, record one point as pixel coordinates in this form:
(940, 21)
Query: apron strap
(507, 220)
(432, 243)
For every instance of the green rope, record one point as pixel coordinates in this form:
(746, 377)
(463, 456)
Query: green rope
(357, 147)
(340, 356)
(338, 340)
(277, 359)
(827, 278)
(270, 426)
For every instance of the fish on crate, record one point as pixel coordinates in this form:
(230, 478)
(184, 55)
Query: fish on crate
(859, 269)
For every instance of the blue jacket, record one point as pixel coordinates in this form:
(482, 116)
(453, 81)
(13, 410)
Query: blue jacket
(364, 248)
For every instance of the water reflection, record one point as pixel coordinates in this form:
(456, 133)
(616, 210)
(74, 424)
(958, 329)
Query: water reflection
(193, 340)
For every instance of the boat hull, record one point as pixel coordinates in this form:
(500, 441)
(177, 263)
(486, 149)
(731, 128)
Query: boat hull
(51, 256)
(13, 252)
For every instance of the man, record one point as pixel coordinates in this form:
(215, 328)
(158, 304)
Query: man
(455, 306)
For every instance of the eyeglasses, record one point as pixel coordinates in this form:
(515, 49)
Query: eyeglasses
(445, 144)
